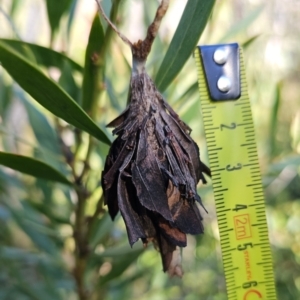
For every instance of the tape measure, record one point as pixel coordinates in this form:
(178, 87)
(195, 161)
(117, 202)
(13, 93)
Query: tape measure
(236, 178)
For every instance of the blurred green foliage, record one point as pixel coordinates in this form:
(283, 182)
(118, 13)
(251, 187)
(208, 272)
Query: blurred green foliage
(56, 240)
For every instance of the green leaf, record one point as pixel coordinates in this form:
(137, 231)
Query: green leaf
(100, 230)
(91, 80)
(57, 212)
(5, 96)
(9, 19)
(191, 25)
(50, 213)
(123, 250)
(43, 56)
(15, 263)
(55, 11)
(71, 17)
(274, 120)
(121, 258)
(187, 94)
(34, 226)
(292, 161)
(49, 147)
(31, 167)
(67, 81)
(128, 281)
(112, 95)
(8, 180)
(249, 41)
(47, 92)
(14, 7)
(243, 24)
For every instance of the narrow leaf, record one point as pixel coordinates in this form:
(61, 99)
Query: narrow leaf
(47, 92)
(55, 11)
(5, 96)
(34, 226)
(123, 250)
(274, 119)
(92, 67)
(67, 81)
(46, 137)
(243, 24)
(71, 17)
(191, 25)
(249, 41)
(122, 258)
(14, 7)
(43, 56)
(32, 167)
(100, 230)
(118, 267)
(187, 94)
(113, 97)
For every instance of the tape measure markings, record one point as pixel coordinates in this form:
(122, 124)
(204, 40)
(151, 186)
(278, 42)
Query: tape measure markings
(240, 206)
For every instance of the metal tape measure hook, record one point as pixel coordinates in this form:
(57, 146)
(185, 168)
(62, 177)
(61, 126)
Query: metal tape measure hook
(222, 70)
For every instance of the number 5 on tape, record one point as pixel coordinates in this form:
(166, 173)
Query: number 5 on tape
(236, 175)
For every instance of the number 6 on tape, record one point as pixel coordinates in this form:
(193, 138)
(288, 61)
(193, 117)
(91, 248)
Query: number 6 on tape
(236, 175)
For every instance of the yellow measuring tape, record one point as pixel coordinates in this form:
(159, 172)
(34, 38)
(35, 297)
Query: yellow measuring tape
(237, 185)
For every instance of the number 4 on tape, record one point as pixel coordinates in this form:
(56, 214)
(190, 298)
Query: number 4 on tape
(236, 178)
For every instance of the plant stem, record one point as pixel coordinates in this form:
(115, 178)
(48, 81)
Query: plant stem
(82, 229)
(99, 209)
(81, 251)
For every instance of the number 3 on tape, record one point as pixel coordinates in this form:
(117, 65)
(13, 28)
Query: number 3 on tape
(236, 178)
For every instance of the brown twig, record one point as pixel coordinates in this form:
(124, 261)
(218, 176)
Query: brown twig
(112, 25)
(160, 13)
(141, 49)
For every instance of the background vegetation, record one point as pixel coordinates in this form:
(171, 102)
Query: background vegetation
(56, 239)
